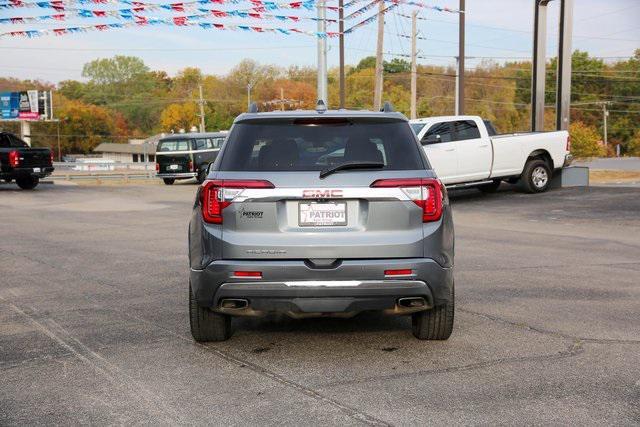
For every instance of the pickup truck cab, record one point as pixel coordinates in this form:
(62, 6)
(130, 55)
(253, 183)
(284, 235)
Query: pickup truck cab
(22, 163)
(187, 155)
(466, 151)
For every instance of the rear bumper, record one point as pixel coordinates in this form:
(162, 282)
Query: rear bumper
(177, 175)
(16, 172)
(291, 286)
(567, 160)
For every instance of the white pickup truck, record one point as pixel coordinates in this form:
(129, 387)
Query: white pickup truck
(465, 151)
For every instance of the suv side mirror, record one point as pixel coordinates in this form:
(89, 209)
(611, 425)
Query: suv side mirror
(431, 139)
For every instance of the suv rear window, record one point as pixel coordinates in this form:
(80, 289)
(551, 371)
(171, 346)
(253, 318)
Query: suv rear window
(316, 144)
(175, 145)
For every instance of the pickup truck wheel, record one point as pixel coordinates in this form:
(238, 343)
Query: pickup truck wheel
(169, 181)
(202, 176)
(536, 176)
(490, 188)
(27, 182)
(437, 323)
(207, 325)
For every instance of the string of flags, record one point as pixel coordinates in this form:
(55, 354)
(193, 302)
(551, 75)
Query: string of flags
(176, 21)
(133, 15)
(135, 18)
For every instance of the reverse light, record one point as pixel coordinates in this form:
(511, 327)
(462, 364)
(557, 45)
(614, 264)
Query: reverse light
(253, 274)
(400, 272)
(217, 194)
(14, 158)
(428, 193)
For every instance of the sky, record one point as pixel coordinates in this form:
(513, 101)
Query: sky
(496, 30)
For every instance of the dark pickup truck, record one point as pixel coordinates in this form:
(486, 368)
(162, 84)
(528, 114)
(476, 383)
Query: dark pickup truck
(187, 155)
(22, 163)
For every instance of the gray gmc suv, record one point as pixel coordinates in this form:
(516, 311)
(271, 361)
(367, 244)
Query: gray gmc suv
(321, 213)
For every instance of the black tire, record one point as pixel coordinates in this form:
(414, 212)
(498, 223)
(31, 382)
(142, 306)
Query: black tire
(207, 325)
(437, 323)
(490, 188)
(169, 181)
(202, 175)
(27, 182)
(536, 176)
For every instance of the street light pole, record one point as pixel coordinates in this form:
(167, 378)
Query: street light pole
(341, 46)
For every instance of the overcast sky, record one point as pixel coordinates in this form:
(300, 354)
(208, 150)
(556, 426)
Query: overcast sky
(495, 28)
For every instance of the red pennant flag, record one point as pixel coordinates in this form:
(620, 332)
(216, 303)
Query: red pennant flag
(180, 20)
(217, 1)
(177, 7)
(255, 15)
(219, 13)
(59, 31)
(17, 20)
(257, 29)
(58, 17)
(219, 26)
(100, 13)
(102, 27)
(138, 9)
(295, 5)
(294, 18)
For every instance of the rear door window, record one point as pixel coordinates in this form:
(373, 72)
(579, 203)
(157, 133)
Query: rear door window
(441, 129)
(203, 144)
(315, 144)
(174, 145)
(466, 129)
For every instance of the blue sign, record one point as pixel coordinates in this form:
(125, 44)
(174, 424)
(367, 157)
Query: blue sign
(10, 104)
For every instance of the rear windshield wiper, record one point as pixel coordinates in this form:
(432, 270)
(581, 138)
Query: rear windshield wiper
(350, 165)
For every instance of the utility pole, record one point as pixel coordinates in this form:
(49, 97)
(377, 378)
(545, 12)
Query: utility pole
(281, 99)
(377, 90)
(605, 115)
(456, 98)
(322, 51)
(414, 66)
(341, 48)
(201, 102)
(249, 87)
(460, 80)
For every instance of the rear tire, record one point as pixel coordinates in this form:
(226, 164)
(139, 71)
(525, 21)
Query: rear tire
(536, 176)
(437, 323)
(202, 175)
(27, 182)
(207, 325)
(169, 181)
(490, 188)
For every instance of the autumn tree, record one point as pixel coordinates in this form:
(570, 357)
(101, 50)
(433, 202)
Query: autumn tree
(585, 140)
(178, 117)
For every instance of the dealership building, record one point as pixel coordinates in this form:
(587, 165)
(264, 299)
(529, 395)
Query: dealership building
(136, 151)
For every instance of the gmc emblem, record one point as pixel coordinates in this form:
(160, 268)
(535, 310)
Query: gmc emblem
(321, 194)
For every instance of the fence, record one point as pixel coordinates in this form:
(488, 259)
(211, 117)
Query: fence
(103, 170)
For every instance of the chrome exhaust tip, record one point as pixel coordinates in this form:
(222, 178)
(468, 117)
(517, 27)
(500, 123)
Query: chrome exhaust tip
(412, 302)
(234, 303)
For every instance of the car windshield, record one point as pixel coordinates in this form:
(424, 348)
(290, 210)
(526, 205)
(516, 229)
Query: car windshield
(174, 145)
(320, 144)
(417, 127)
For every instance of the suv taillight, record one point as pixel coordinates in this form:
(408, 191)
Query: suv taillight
(157, 167)
(51, 157)
(215, 195)
(191, 166)
(14, 158)
(428, 193)
(568, 142)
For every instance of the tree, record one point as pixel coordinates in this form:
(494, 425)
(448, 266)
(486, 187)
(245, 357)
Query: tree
(633, 147)
(585, 140)
(396, 65)
(114, 70)
(177, 117)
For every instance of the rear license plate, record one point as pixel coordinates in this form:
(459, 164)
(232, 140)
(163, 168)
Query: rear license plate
(36, 169)
(174, 167)
(319, 214)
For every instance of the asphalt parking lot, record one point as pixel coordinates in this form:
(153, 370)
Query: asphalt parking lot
(94, 326)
